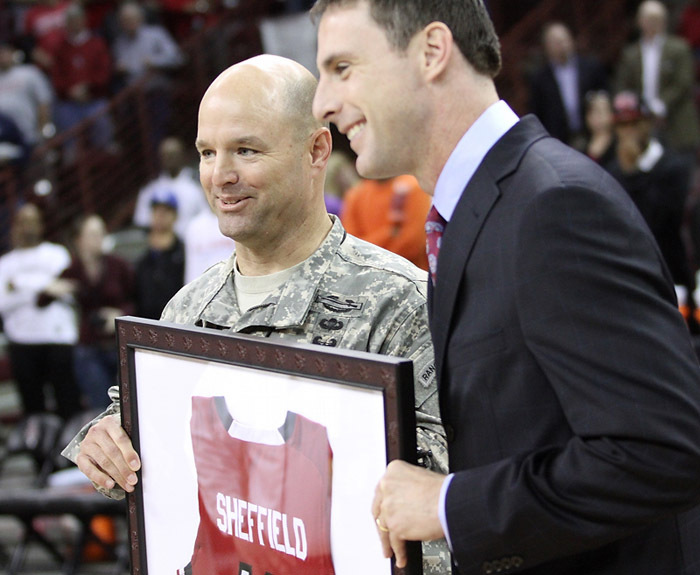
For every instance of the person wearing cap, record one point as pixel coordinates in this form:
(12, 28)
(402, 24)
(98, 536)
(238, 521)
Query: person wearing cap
(160, 271)
(657, 180)
(177, 177)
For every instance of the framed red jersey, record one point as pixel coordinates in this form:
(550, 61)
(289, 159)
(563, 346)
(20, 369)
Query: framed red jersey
(259, 457)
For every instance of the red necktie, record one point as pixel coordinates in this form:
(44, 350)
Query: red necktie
(434, 228)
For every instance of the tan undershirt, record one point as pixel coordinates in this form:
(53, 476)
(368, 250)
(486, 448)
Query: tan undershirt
(253, 290)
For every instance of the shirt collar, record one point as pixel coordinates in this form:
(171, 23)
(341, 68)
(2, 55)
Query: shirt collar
(464, 160)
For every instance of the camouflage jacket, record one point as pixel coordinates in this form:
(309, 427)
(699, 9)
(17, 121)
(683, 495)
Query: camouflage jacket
(348, 294)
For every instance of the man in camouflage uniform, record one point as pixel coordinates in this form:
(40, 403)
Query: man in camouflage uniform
(262, 166)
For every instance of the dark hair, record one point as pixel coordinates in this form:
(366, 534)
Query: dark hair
(468, 20)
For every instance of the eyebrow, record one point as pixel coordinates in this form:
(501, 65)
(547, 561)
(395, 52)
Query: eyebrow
(252, 141)
(328, 62)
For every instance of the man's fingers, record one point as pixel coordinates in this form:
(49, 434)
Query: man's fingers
(386, 543)
(398, 546)
(123, 443)
(107, 456)
(93, 472)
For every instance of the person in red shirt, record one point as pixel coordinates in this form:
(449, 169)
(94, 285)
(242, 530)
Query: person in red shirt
(81, 74)
(390, 214)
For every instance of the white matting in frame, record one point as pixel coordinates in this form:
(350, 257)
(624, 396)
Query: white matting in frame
(178, 405)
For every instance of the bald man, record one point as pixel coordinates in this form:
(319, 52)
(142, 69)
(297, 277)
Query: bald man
(659, 66)
(262, 166)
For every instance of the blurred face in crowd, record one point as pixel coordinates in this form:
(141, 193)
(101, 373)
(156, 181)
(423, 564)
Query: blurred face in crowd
(172, 155)
(90, 238)
(651, 18)
(130, 19)
(599, 113)
(258, 152)
(558, 44)
(637, 133)
(163, 218)
(370, 90)
(75, 21)
(27, 227)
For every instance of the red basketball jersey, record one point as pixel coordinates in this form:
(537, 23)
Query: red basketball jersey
(264, 509)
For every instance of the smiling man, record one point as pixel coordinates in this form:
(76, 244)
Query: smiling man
(569, 388)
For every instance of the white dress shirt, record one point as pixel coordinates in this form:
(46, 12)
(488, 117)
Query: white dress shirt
(465, 159)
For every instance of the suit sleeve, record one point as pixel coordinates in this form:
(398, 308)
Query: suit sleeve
(598, 315)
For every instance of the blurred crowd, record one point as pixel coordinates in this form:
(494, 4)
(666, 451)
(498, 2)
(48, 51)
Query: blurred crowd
(638, 118)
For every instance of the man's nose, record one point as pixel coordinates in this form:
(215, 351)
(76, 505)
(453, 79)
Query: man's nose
(325, 106)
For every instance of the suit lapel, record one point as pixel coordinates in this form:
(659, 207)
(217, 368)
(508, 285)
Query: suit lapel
(477, 200)
(473, 208)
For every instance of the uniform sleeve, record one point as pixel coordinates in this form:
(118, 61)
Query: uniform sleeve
(412, 340)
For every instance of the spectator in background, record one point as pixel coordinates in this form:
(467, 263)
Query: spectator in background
(559, 86)
(341, 175)
(44, 25)
(146, 52)
(660, 68)
(390, 214)
(142, 48)
(177, 178)
(102, 287)
(600, 128)
(81, 72)
(160, 271)
(41, 339)
(657, 180)
(25, 96)
(205, 245)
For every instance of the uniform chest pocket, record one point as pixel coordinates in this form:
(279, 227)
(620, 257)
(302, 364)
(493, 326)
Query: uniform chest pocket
(333, 315)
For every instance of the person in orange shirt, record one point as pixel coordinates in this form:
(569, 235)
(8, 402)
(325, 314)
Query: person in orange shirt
(391, 214)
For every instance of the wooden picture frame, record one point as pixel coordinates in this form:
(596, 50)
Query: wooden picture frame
(334, 417)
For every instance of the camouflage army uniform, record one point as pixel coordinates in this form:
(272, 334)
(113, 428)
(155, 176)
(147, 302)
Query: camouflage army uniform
(348, 294)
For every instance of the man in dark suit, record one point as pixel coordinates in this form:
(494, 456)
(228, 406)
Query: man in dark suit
(569, 387)
(559, 87)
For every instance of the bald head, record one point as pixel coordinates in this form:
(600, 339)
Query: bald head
(652, 18)
(277, 84)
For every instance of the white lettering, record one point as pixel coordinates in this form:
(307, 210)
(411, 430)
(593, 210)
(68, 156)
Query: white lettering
(221, 521)
(276, 518)
(288, 549)
(242, 505)
(262, 512)
(300, 538)
(234, 514)
(252, 508)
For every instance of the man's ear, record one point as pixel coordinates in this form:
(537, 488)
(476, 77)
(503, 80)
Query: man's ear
(321, 147)
(436, 48)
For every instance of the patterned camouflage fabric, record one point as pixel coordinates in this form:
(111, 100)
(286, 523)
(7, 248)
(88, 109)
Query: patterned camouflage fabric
(348, 294)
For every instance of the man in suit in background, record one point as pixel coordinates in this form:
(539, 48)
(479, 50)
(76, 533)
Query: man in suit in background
(560, 85)
(660, 67)
(569, 388)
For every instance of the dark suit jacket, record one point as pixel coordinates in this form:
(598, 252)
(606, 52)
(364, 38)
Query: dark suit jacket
(547, 103)
(569, 389)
